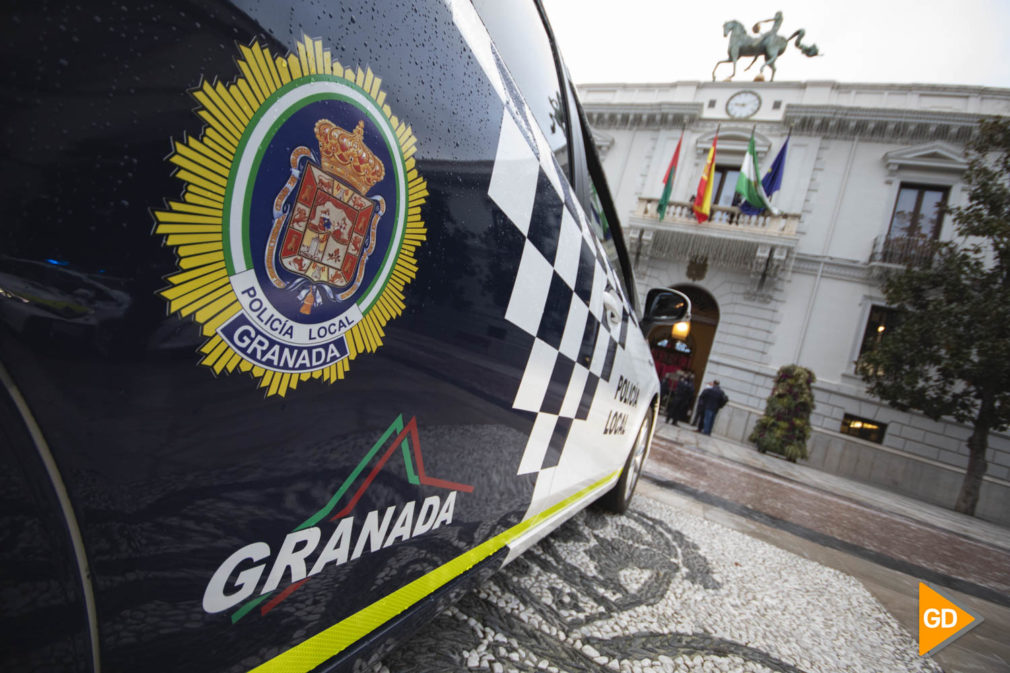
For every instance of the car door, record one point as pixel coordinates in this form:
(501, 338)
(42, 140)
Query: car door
(307, 313)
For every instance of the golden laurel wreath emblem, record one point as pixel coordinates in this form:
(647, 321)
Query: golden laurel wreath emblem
(321, 233)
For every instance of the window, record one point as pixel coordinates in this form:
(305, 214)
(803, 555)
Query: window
(880, 320)
(521, 39)
(918, 212)
(863, 428)
(724, 185)
(777, 105)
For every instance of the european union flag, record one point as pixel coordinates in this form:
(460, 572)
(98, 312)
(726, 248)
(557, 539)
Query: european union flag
(772, 181)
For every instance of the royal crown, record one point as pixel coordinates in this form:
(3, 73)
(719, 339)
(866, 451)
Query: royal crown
(345, 155)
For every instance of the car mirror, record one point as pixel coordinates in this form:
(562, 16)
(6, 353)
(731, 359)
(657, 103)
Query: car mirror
(667, 308)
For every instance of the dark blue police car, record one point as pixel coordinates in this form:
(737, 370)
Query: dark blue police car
(311, 316)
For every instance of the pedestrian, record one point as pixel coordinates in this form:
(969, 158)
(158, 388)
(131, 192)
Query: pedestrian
(711, 400)
(675, 382)
(681, 398)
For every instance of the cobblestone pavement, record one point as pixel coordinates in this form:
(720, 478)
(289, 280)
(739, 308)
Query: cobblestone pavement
(916, 547)
(659, 589)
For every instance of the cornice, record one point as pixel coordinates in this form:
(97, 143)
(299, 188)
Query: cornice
(641, 115)
(833, 121)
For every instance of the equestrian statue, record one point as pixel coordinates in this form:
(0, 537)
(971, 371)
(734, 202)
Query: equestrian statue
(769, 44)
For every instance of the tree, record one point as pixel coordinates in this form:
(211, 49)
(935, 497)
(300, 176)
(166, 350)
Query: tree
(785, 426)
(949, 355)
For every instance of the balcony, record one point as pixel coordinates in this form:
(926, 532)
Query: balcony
(762, 244)
(896, 252)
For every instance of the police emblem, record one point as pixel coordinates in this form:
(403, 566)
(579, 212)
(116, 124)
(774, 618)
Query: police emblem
(299, 220)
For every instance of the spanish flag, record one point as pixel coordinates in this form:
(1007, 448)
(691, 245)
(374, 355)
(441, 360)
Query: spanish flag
(703, 199)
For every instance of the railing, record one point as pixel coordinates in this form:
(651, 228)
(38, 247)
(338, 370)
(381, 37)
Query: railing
(901, 250)
(722, 217)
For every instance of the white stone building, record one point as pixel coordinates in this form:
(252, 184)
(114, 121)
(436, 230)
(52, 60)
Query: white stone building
(866, 166)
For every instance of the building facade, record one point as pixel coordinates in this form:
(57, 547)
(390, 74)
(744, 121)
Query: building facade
(868, 167)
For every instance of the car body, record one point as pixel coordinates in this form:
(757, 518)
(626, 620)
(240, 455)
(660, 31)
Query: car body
(310, 318)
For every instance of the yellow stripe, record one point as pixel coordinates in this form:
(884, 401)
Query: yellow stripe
(269, 68)
(185, 218)
(250, 79)
(247, 91)
(188, 304)
(198, 248)
(200, 260)
(180, 207)
(194, 284)
(215, 354)
(223, 358)
(306, 59)
(317, 50)
(210, 345)
(232, 105)
(295, 66)
(193, 178)
(233, 362)
(199, 196)
(188, 229)
(224, 106)
(254, 69)
(368, 80)
(211, 173)
(282, 68)
(211, 326)
(322, 646)
(207, 97)
(183, 239)
(220, 142)
(328, 62)
(240, 97)
(190, 151)
(207, 312)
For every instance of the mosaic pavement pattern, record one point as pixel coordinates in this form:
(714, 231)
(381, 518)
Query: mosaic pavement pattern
(661, 590)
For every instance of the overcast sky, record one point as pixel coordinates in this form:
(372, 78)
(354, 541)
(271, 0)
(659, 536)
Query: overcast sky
(902, 41)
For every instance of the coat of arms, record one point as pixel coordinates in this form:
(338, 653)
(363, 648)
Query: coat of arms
(329, 233)
(299, 220)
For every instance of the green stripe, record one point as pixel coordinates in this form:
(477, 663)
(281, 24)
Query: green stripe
(396, 427)
(411, 475)
(247, 608)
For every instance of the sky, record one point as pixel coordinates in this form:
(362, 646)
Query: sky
(866, 41)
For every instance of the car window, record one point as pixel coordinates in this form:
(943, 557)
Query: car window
(522, 42)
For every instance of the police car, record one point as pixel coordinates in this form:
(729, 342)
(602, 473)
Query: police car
(311, 317)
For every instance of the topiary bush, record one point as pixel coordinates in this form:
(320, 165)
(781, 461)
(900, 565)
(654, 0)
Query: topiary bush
(785, 427)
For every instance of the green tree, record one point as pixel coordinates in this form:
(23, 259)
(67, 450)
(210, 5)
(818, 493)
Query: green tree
(785, 426)
(950, 353)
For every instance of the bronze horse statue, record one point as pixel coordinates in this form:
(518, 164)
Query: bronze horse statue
(769, 44)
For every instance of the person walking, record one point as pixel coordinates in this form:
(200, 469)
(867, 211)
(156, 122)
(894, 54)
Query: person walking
(672, 381)
(711, 400)
(681, 398)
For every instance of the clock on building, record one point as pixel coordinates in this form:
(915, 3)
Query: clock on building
(743, 104)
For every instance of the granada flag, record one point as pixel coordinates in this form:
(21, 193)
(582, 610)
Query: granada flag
(664, 200)
(703, 199)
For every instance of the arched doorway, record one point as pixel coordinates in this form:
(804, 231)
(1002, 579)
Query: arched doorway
(672, 353)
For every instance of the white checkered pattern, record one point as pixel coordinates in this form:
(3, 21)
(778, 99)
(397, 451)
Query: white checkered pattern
(558, 294)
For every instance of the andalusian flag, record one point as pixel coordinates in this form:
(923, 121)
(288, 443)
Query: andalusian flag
(664, 200)
(772, 181)
(748, 185)
(703, 199)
